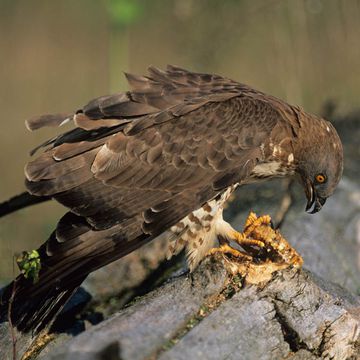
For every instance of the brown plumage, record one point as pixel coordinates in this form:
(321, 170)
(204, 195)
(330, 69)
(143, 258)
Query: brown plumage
(163, 157)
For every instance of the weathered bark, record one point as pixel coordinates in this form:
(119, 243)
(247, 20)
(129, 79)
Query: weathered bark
(295, 315)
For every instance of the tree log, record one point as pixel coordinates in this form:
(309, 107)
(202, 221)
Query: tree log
(213, 315)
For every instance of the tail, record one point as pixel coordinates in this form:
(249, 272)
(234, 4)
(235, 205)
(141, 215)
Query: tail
(32, 313)
(19, 202)
(31, 303)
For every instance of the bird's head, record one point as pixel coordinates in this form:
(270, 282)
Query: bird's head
(321, 165)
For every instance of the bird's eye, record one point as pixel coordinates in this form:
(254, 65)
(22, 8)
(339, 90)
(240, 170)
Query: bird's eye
(320, 178)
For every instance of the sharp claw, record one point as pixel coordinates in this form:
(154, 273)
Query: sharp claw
(226, 249)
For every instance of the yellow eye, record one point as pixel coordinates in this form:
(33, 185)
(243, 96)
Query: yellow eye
(320, 178)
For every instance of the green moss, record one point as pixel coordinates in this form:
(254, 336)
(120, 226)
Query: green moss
(29, 264)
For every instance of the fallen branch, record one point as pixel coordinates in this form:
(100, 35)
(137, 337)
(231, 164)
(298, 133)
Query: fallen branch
(216, 315)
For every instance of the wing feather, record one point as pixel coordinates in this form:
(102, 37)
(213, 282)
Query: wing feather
(216, 143)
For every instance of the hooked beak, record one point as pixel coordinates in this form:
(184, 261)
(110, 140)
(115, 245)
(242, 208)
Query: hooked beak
(315, 203)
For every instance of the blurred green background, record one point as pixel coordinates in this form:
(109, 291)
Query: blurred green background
(57, 55)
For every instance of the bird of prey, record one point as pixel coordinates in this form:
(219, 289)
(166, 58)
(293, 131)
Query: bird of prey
(161, 158)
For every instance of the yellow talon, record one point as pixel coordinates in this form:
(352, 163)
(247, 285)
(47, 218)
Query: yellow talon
(258, 233)
(226, 249)
(241, 239)
(252, 242)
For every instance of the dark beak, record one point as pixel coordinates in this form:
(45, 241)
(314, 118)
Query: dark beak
(315, 203)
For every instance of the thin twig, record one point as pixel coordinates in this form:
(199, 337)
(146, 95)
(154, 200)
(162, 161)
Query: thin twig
(13, 336)
(285, 204)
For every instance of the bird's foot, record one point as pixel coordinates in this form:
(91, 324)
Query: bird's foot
(263, 245)
(226, 249)
(265, 250)
(253, 223)
(274, 247)
(246, 242)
